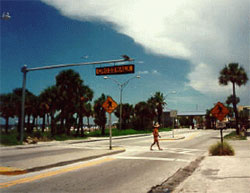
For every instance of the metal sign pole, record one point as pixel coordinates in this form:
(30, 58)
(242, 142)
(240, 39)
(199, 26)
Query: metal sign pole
(24, 70)
(173, 129)
(110, 133)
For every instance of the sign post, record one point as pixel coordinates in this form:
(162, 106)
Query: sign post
(220, 111)
(109, 105)
(110, 132)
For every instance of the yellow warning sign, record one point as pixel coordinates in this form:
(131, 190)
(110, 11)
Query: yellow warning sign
(109, 105)
(219, 111)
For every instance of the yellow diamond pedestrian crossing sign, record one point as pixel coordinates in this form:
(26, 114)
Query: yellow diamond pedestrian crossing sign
(109, 105)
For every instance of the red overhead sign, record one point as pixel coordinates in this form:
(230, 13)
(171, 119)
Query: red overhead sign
(123, 69)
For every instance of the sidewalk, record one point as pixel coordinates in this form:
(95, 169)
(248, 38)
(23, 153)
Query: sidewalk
(216, 174)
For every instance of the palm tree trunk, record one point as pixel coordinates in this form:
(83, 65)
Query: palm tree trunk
(28, 125)
(103, 129)
(6, 124)
(81, 126)
(78, 126)
(88, 122)
(19, 125)
(33, 123)
(235, 110)
(52, 124)
(43, 124)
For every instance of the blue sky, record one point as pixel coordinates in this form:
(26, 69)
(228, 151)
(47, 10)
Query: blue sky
(176, 46)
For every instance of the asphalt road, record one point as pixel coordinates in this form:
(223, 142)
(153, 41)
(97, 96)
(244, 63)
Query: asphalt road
(134, 171)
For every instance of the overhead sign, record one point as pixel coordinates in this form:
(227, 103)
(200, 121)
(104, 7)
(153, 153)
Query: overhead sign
(109, 105)
(219, 111)
(173, 113)
(123, 69)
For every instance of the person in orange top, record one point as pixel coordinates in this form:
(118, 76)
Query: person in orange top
(156, 135)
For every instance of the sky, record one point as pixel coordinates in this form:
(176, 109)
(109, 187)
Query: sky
(177, 46)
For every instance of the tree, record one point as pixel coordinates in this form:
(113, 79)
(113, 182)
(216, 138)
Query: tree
(43, 108)
(158, 103)
(127, 114)
(30, 109)
(144, 116)
(88, 112)
(230, 100)
(6, 108)
(237, 76)
(49, 104)
(69, 85)
(83, 107)
(99, 113)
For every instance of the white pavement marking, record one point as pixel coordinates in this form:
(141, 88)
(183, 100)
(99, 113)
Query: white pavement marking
(140, 149)
(152, 158)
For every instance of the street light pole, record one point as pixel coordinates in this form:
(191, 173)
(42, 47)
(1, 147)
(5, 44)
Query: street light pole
(24, 70)
(121, 87)
(120, 122)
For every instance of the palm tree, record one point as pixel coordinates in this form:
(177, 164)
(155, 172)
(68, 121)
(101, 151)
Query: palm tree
(83, 107)
(6, 108)
(127, 114)
(100, 113)
(48, 104)
(30, 109)
(144, 116)
(88, 112)
(230, 100)
(157, 102)
(237, 76)
(69, 86)
(43, 109)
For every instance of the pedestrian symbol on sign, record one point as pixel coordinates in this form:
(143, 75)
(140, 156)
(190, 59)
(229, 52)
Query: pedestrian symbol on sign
(109, 105)
(219, 111)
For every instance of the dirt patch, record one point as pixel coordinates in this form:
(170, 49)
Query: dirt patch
(173, 181)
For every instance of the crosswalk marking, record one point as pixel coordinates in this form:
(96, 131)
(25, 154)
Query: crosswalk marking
(152, 158)
(141, 149)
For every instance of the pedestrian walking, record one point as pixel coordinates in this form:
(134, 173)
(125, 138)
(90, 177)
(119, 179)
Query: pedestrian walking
(156, 135)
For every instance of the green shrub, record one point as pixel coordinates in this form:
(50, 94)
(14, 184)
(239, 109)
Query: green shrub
(221, 149)
(9, 139)
(233, 136)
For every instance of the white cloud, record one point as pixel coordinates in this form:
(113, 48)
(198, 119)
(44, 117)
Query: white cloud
(208, 33)
(203, 79)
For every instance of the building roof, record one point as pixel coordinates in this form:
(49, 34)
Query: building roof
(192, 113)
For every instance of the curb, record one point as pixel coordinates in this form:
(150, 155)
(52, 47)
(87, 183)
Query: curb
(113, 138)
(11, 171)
(70, 142)
(16, 171)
